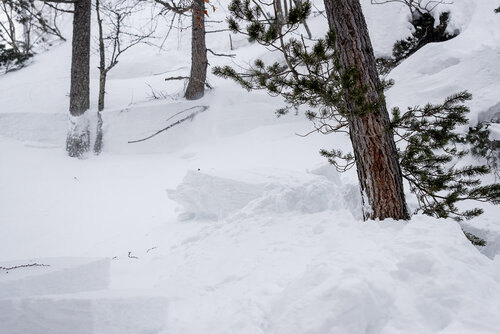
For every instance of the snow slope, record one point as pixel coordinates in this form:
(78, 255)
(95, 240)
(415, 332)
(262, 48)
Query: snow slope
(231, 223)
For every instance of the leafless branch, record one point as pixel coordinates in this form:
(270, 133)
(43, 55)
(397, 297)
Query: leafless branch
(189, 117)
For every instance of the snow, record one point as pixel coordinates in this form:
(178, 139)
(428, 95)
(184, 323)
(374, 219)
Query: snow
(230, 222)
(54, 275)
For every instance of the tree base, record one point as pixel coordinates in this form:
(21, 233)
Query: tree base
(78, 139)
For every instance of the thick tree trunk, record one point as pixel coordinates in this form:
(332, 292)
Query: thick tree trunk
(77, 142)
(375, 152)
(199, 62)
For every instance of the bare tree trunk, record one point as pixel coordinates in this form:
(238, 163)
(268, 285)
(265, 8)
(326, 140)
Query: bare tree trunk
(100, 107)
(26, 29)
(199, 62)
(77, 142)
(102, 58)
(102, 80)
(375, 152)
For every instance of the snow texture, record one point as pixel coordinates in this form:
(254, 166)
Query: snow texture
(256, 233)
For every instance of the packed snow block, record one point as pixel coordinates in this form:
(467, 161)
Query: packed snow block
(207, 196)
(107, 312)
(53, 275)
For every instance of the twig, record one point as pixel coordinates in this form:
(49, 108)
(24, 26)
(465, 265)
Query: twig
(176, 78)
(215, 31)
(130, 256)
(190, 117)
(25, 266)
(221, 54)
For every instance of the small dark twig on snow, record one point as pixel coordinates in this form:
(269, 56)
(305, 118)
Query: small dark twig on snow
(25, 266)
(131, 256)
(189, 117)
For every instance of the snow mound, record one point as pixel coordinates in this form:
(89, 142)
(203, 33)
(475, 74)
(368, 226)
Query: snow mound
(209, 196)
(53, 275)
(329, 273)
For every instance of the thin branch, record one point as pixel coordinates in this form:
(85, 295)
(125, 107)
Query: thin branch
(25, 266)
(176, 78)
(190, 117)
(221, 54)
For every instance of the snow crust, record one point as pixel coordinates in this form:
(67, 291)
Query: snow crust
(230, 223)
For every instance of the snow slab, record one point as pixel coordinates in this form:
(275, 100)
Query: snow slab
(108, 312)
(56, 275)
(218, 194)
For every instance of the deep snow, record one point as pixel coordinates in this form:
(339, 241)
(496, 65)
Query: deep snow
(231, 223)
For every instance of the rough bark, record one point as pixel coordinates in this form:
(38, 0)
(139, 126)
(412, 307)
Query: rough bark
(77, 142)
(199, 62)
(374, 148)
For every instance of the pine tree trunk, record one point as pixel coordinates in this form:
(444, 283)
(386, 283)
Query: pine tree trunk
(199, 62)
(377, 163)
(77, 142)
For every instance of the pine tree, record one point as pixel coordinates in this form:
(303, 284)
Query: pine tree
(342, 83)
(311, 74)
(432, 147)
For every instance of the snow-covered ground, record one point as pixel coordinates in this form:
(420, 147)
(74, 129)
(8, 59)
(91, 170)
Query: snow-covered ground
(231, 223)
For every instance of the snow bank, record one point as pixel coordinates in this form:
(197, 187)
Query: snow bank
(209, 196)
(466, 62)
(329, 273)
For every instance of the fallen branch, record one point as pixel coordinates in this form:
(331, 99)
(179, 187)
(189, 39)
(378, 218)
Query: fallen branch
(176, 78)
(25, 266)
(189, 117)
(221, 54)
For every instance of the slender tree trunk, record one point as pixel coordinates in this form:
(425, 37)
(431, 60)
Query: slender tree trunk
(102, 58)
(199, 62)
(102, 80)
(26, 29)
(100, 107)
(102, 90)
(77, 142)
(375, 152)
